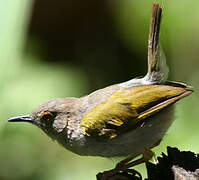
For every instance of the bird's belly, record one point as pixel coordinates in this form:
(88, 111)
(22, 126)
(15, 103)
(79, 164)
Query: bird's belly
(146, 135)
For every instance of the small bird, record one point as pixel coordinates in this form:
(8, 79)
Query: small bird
(126, 119)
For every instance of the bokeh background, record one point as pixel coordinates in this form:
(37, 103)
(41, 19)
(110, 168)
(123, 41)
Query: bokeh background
(64, 48)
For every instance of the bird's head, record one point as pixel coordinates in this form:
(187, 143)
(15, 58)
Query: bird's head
(51, 117)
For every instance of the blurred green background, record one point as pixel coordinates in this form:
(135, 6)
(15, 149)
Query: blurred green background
(62, 48)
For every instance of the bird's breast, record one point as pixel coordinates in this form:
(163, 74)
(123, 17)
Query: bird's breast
(146, 135)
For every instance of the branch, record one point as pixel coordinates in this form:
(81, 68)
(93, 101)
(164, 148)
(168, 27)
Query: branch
(176, 165)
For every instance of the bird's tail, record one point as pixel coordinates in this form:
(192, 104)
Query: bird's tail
(157, 68)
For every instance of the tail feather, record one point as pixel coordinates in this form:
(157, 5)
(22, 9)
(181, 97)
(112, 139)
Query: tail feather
(157, 68)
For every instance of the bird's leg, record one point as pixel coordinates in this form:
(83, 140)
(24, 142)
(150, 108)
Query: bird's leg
(125, 164)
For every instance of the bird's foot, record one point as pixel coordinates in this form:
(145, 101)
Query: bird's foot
(128, 174)
(126, 163)
(122, 168)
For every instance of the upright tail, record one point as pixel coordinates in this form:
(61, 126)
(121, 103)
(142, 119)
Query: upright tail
(157, 68)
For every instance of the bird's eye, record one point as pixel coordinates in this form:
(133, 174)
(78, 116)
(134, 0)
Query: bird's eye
(46, 116)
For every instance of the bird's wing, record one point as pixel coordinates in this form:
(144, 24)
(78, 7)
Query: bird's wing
(125, 109)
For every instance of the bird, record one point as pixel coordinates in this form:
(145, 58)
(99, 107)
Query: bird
(126, 119)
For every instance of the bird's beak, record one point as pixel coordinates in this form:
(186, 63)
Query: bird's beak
(25, 118)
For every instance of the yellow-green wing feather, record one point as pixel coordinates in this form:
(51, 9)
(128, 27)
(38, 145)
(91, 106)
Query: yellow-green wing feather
(125, 108)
